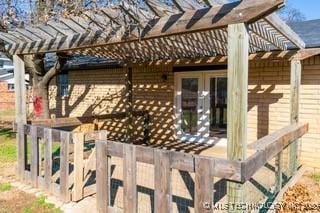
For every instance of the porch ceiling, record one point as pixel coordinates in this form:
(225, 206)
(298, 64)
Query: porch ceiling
(156, 31)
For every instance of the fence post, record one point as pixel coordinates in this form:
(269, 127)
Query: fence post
(64, 166)
(78, 141)
(162, 175)
(21, 152)
(146, 128)
(278, 178)
(204, 186)
(129, 179)
(48, 158)
(102, 177)
(295, 83)
(34, 161)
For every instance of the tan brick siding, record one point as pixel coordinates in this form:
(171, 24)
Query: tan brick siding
(269, 96)
(102, 91)
(7, 98)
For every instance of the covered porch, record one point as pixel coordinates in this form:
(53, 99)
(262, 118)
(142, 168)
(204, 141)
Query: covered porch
(188, 34)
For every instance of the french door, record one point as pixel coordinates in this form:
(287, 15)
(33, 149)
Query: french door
(201, 106)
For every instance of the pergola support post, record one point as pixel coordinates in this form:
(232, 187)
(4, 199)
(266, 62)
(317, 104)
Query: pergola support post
(238, 67)
(129, 105)
(20, 113)
(295, 82)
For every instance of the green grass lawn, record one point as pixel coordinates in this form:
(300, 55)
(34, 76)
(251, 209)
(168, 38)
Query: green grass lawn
(7, 115)
(7, 146)
(5, 187)
(40, 204)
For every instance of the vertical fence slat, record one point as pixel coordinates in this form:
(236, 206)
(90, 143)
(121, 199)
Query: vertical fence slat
(78, 141)
(64, 166)
(47, 158)
(34, 161)
(203, 185)
(21, 144)
(162, 182)
(278, 173)
(102, 177)
(129, 179)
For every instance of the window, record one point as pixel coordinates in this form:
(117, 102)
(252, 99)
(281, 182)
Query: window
(63, 84)
(10, 86)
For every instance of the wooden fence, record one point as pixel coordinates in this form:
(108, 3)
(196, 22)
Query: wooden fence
(41, 174)
(70, 180)
(204, 168)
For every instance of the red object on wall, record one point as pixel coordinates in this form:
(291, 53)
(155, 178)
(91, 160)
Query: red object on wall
(37, 105)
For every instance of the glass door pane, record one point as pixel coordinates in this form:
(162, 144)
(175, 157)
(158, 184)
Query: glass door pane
(218, 106)
(189, 105)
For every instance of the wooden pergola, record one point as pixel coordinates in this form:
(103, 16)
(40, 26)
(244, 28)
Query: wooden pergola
(186, 30)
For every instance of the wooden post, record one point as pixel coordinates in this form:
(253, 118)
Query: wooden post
(204, 185)
(146, 128)
(102, 177)
(64, 166)
(48, 159)
(162, 179)
(34, 161)
(21, 112)
(129, 105)
(129, 179)
(295, 81)
(278, 173)
(78, 141)
(238, 51)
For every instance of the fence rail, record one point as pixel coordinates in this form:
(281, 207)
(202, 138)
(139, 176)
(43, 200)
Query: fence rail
(38, 174)
(204, 168)
(37, 143)
(70, 181)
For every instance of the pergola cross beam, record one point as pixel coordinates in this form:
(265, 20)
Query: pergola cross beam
(126, 24)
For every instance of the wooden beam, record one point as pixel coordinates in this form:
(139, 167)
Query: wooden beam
(204, 185)
(238, 60)
(129, 104)
(20, 113)
(185, 5)
(20, 89)
(270, 146)
(306, 53)
(102, 177)
(275, 21)
(190, 21)
(160, 9)
(162, 179)
(295, 82)
(215, 2)
(130, 201)
(78, 141)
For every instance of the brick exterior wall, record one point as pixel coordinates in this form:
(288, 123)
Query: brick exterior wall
(7, 98)
(102, 91)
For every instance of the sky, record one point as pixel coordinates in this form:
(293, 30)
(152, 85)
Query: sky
(310, 8)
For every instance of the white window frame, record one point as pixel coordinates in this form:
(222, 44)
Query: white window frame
(203, 127)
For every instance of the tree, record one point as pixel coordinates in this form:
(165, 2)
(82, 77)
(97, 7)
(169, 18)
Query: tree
(16, 14)
(291, 14)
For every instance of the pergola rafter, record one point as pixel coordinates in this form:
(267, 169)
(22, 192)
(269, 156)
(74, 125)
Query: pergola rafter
(186, 29)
